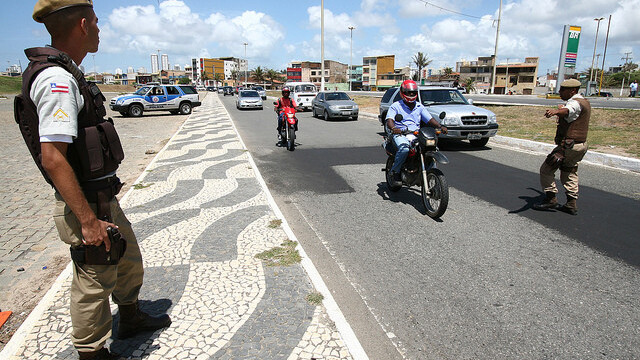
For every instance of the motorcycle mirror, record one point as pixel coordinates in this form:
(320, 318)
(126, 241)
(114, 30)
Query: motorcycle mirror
(442, 115)
(398, 117)
(275, 103)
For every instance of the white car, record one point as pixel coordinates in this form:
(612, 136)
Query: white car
(175, 99)
(303, 94)
(249, 99)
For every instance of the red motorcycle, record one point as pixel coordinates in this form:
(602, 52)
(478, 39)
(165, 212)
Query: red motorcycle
(288, 130)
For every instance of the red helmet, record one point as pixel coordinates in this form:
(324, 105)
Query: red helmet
(286, 92)
(409, 91)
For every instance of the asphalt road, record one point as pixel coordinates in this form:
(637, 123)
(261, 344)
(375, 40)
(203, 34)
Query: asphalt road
(479, 99)
(492, 279)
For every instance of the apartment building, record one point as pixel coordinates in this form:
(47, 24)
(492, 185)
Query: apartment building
(517, 77)
(372, 69)
(307, 71)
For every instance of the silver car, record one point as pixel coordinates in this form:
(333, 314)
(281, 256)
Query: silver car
(334, 105)
(248, 99)
(261, 91)
(463, 120)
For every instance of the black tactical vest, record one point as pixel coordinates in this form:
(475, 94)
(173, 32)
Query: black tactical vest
(96, 151)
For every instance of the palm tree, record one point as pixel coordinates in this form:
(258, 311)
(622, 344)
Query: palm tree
(469, 85)
(258, 75)
(448, 71)
(421, 62)
(234, 74)
(272, 75)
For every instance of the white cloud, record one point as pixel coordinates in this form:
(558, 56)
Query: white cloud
(179, 32)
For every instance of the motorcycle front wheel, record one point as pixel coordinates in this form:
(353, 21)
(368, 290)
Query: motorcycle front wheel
(291, 139)
(392, 188)
(435, 193)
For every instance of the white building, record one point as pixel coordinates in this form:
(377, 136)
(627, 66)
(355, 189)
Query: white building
(154, 63)
(165, 62)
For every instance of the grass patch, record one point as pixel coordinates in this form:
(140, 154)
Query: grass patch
(274, 224)
(10, 84)
(610, 131)
(283, 255)
(315, 298)
(141, 186)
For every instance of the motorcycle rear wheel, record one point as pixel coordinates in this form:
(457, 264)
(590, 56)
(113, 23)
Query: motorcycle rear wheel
(291, 139)
(392, 188)
(435, 193)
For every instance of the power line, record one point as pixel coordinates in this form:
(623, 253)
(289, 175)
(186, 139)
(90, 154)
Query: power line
(449, 10)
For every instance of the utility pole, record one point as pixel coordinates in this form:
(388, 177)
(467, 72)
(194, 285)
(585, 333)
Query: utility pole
(606, 42)
(624, 69)
(595, 45)
(351, 60)
(506, 82)
(495, 52)
(322, 45)
(247, 63)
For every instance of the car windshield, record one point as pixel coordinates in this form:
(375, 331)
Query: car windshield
(259, 88)
(444, 96)
(337, 96)
(143, 90)
(249, 93)
(305, 88)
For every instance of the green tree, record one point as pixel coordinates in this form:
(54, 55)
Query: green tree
(219, 77)
(469, 85)
(272, 75)
(235, 74)
(421, 61)
(448, 71)
(258, 74)
(184, 81)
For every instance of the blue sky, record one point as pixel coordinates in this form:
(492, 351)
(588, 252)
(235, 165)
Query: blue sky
(280, 32)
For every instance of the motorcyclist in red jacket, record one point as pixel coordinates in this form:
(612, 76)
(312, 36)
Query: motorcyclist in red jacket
(283, 102)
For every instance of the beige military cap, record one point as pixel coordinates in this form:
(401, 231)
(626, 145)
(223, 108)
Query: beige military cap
(46, 7)
(571, 83)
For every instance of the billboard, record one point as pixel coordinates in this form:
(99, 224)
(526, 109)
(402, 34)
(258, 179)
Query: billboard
(573, 41)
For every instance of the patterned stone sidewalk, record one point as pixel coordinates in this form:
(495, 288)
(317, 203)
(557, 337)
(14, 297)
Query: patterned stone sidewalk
(201, 216)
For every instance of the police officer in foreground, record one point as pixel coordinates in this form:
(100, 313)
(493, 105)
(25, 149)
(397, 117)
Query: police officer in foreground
(571, 141)
(61, 117)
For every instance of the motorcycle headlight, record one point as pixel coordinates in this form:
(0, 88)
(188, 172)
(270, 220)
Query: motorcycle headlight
(493, 119)
(431, 142)
(450, 121)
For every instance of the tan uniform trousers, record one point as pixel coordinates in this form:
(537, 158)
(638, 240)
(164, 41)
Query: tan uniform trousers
(568, 171)
(92, 284)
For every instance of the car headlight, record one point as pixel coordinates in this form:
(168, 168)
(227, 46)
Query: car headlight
(334, 107)
(450, 120)
(493, 119)
(120, 102)
(355, 107)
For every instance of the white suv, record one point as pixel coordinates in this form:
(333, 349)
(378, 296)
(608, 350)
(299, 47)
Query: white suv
(175, 99)
(463, 120)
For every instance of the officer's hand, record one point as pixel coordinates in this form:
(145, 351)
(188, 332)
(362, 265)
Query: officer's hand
(396, 130)
(549, 113)
(95, 233)
(444, 129)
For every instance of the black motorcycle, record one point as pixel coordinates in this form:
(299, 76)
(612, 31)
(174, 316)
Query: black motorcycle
(421, 168)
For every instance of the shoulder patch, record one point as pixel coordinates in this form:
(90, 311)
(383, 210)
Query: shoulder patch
(59, 88)
(60, 116)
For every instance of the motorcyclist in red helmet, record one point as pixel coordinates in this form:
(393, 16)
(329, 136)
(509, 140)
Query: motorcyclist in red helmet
(283, 102)
(412, 114)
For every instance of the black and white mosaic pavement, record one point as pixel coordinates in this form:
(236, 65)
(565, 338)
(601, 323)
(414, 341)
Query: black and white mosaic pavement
(201, 216)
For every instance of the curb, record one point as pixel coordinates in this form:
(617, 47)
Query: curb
(592, 157)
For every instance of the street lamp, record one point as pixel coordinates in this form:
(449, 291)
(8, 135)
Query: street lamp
(495, 52)
(351, 60)
(595, 45)
(247, 63)
(322, 45)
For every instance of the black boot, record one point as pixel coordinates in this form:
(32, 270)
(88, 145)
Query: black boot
(396, 179)
(102, 354)
(550, 202)
(133, 321)
(570, 207)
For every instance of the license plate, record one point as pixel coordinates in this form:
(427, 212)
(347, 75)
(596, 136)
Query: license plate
(474, 136)
(346, 113)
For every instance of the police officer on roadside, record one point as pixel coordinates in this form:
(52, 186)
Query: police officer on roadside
(61, 117)
(571, 140)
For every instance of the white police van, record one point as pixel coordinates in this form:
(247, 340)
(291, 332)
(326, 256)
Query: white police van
(174, 98)
(302, 93)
